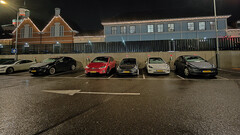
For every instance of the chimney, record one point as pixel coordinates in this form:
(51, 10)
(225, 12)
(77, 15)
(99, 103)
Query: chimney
(27, 13)
(57, 11)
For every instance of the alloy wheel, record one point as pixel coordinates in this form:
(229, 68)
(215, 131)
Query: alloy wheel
(52, 71)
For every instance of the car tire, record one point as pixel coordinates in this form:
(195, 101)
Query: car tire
(52, 71)
(73, 67)
(186, 72)
(175, 69)
(9, 70)
(108, 71)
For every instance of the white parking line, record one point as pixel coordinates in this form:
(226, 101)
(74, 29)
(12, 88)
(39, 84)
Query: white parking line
(229, 71)
(144, 76)
(111, 76)
(222, 77)
(180, 77)
(79, 76)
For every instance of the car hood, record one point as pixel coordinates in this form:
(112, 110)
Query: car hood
(41, 64)
(97, 65)
(127, 66)
(159, 66)
(201, 64)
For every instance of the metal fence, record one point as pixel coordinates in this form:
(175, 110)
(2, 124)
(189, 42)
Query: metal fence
(119, 47)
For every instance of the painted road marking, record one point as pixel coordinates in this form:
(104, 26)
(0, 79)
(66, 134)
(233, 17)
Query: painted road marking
(180, 77)
(222, 77)
(73, 92)
(111, 76)
(144, 76)
(229, 71)
(80, 75)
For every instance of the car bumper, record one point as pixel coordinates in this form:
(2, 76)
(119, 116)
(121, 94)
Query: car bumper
(128, 72)
(38, 70)
(95, 71)
(158, 71)
(3, 70)
(204, 72)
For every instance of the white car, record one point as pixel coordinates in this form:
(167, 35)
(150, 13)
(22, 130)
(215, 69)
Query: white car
(156, 65)
(13, 65)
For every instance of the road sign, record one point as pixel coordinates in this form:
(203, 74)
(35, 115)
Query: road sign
(14, 51)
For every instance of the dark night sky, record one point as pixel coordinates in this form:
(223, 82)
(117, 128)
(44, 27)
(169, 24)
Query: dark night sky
(88, 14)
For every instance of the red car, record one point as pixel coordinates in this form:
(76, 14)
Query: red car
(101, 65)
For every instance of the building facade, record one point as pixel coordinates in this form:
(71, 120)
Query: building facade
(165, 29)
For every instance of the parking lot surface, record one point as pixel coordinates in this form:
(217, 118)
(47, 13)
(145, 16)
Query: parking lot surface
(73, 103)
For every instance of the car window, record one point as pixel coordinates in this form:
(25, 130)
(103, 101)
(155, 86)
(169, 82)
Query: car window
(194, 59)
(100, 59)
(49, 60)
(156, 61)
(28, 61)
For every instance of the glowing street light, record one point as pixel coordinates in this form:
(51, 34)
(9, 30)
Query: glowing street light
(3, 2)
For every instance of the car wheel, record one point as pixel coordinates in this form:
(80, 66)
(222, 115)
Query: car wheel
(52, 71)
(10, 70)
(175, 69)
(73, 67)
(108, 71)
(186, 72)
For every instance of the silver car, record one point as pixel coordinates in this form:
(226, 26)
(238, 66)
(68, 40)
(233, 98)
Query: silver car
(156, 65)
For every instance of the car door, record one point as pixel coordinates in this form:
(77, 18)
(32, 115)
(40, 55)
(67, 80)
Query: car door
(182, 63)
(60, 65)
(17, 66)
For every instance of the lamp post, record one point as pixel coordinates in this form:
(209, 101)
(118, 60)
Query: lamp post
(216, 29)
(4, 3)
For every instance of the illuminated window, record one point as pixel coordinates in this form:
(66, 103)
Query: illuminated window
(132, 29)
(160, 27)
(114, 30)
(26, 32)
(202, 25)
(52, 31)
(61, 31)
(123, 29)
(22, 33)
(171, 27)
(191, 26)
(150, 28)
(212, 25)
(30, 32)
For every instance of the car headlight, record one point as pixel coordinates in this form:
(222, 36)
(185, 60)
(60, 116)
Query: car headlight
(103, 67)
(47, 66)
(87, 67)
(118, 68)
(150, 66)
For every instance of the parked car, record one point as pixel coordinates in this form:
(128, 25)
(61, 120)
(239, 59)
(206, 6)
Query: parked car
(194, 65)
(12, 65)
(53, 65)
(101, 65)
(128, 66)
(5, 59)
(156, 65)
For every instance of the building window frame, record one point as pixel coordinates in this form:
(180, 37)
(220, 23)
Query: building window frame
(114, 30)
(22, 33)
(52, 31)
(212, 25)
(132, 29)
(202, 26)
(171, 27)
(160, 28)
(150, 28)
(123, 29)
(61, 31)
(191, 26)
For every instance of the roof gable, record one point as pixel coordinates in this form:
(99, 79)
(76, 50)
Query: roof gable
(27, 21)
(56, 18)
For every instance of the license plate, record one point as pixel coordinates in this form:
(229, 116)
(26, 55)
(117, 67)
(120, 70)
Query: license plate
(159, 70)
(33, 71)
(93, 71)
(126, 71)
(207, 71)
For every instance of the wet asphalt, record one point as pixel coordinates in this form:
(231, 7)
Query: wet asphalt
(163, 104)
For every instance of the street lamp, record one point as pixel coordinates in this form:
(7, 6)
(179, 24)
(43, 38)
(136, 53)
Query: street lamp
(216, 29)
(4, 3)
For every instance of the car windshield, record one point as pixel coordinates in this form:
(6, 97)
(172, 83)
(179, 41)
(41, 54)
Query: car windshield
(100, 59)
(49, 60)
(194, 59)
(156, 61)
(128, 62)
(9, 62)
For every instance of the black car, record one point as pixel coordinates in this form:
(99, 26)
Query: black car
(194, 65)
(53, 65)
(128, 66)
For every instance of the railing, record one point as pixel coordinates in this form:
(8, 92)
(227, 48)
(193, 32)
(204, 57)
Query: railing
(121, 47)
